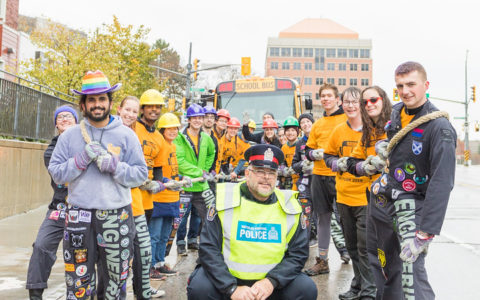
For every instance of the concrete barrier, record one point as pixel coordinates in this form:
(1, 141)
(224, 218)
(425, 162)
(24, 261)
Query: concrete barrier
(24, 180)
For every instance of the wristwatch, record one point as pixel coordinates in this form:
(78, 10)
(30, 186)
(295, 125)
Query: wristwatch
(231, 290)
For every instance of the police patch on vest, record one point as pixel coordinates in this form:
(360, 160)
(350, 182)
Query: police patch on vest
(211, 213)
(417, 147)
(263, 232)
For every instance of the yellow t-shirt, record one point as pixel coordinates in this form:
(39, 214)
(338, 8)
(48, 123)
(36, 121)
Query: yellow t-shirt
(350, 189)
(404, 118)
(230, 151)
(194, 139)
(169, 164)
(318, 139)
(289, 152)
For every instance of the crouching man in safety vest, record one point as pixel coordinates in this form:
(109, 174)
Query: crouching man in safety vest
(254, 243)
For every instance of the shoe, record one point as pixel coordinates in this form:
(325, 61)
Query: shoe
(349, 295)
(366, 298)
(166, 270)
(35, 294)
(156, 293)
(313, 243)
(181, 250)
(321, 267)
(155, 275)
(193, 246)
(345, 257)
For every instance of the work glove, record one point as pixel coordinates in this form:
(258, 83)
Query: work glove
(107, 163)
(364, 168)
(381, 149)
(94, 149)
(316, 154)
(188, 182)
(233, 176)
(281, 170)
(290, 171)
(153, 186)
(246, 117)
(175, 185)
(307, 167)
(378, 163)
(221, 176)
(342, 164)
(208, 176)
(412, 248)
(82, 160)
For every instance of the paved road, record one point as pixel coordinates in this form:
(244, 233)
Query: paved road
(453, 262)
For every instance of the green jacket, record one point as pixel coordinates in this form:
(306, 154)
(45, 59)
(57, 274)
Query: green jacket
(189, 164)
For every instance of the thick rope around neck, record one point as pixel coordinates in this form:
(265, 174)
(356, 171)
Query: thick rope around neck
(84, 132)
(404, 131)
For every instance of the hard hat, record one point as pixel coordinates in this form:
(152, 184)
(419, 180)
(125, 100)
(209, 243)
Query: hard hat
(269, 123)
(168, 120)
(210, 110)
(152, 97)
(233, 122)
(291, 122)
(223, 113)
(195, 110)
(252, 124)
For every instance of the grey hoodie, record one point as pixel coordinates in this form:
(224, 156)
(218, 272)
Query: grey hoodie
(90, 188)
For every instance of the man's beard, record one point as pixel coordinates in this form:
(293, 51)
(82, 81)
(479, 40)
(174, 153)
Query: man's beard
(90, 116)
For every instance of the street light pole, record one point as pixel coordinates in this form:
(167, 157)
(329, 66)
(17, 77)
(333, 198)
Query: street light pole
(189, 72)
(467, 148)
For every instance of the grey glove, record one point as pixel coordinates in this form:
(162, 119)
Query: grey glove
(290, 171)
(317, 154)
(378, 163)
(188, 182)
(381, 149)
(368, 168)
(281, 171)
(246, 117)
(94, 149)
(307, 167)
(342, 163)
(174, 185)
(153, 186)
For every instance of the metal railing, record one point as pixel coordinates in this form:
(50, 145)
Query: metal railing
(26, 112)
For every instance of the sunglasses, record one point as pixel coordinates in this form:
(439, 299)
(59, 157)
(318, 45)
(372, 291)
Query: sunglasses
(372, 100)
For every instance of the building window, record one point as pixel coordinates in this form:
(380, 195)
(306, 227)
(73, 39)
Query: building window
(285, 66)
(353, 81)
(353, 67)
(274, 51)
(319, 52)
(353, 53)
(317, 96)
(308, 52)
(331, 67)
(331, 80)
(308, 66)
(297, 66)
(274, 65)
(307, 95)
(364, 67)
(342, 81)
(364, 82)
(297, 79)
(318, 81)
(308, 81)
(342, 53)
(320, 67)
(286, 51)
(297, 52)
(342, 67)
(364, 53)
(331, 52)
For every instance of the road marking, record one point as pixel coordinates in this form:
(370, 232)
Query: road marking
(461, 243)
(8, 283)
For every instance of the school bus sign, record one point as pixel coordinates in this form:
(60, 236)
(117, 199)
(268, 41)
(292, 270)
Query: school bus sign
(255, 85)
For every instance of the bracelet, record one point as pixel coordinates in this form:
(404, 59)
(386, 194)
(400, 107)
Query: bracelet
(423, 235)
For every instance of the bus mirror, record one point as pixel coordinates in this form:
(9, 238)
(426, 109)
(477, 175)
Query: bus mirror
(308, 104)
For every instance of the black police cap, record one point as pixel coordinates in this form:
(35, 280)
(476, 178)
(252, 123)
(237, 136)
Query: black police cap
(264, 155)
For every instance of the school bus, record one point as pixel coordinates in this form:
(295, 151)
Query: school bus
(280, 96)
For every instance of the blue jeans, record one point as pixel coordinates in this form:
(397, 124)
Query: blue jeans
(195, 221)
(160, 229)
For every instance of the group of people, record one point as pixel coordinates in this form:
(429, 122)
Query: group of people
(375, 178)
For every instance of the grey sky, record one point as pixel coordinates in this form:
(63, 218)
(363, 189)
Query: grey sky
(434, 33)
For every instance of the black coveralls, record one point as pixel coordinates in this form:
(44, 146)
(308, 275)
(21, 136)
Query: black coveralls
(212, 280)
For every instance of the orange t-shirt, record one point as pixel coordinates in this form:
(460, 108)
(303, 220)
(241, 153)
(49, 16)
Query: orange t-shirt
(350, 189)
(169, 164)
(318, 139)
(404, 118)
(289, 152)
(230, 151)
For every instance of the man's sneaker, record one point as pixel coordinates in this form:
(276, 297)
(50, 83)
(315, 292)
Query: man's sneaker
(166, 270)
(156, 293)
(181, 250)
(193, 246)
(155, 275)
(321, 267)
(345, 257)
(313, 243)
(350, 295)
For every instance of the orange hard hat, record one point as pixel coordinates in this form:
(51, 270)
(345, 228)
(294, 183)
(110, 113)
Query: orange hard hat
(223, 113)
(269, 123)
(234, 122)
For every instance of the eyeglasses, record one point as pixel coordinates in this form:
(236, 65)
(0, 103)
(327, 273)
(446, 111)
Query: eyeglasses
(372, 100)
(352, 103)
(65, 117)
(210, 116)
(264, 173)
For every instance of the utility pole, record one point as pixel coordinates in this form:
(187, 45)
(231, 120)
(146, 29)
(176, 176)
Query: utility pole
(189, 72)
(467, 147)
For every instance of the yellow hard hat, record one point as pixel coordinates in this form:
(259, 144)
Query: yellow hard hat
(152, 97)
(168, 120)
(251, 124)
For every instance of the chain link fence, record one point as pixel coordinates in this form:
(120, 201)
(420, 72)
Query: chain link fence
(26, 112)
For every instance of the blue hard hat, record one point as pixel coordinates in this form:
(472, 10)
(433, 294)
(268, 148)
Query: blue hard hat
(195, 110)
(210, 110)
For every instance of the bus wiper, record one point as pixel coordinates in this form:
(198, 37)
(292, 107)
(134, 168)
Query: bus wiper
(229, 99)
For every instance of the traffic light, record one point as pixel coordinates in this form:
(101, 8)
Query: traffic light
(246, 66)
(474, 96)
(195, 68)
(477, 126)
(395, 95)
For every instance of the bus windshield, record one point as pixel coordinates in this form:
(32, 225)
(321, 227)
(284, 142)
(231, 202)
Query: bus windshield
(280, 103)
